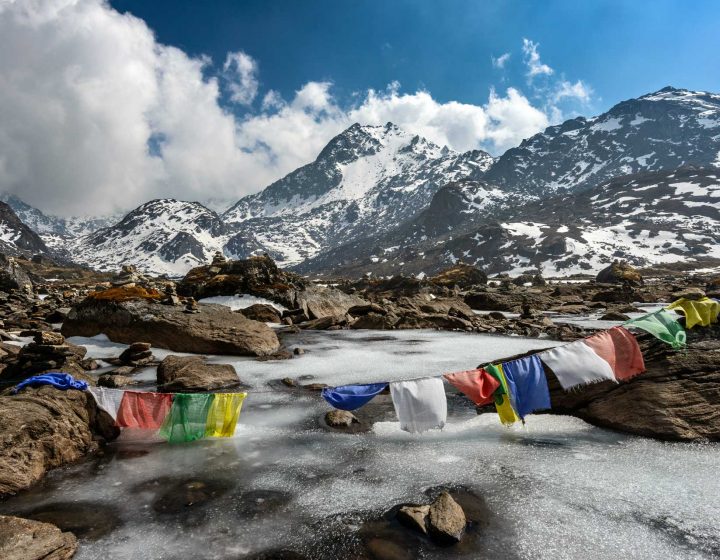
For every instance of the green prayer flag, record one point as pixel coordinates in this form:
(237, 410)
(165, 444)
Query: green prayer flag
(662, 325)
(187, 418)
(502, 389)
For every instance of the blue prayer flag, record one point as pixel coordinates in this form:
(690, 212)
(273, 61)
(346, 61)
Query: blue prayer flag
(527, 385)
(351, 397)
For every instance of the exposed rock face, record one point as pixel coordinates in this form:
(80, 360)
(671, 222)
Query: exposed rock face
(318, 302)
(191, 373)
(12, 276)
(45, 428)
(461, 275)
(24, 539)
(677, 398)
(619, 272)
(258, 276)
(263, 313)
(215, 330)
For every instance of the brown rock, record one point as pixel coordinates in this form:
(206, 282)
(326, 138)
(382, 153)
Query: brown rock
(318, 302)
(375, 321)
(114, 381)
(45, 428)
(24, 539)
(262, 312)
(340, 419)
(446, 520)
(619, 272)
(217, 330)
(414, 517)
(49, 338)
(614, 316)
(192, 373)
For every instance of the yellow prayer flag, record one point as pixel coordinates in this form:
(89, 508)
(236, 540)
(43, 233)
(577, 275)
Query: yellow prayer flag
(224, 414)
(697, 312)
(505, 410)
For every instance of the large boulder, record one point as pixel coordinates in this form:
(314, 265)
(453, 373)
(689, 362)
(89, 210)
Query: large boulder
(460, 275)
(12, 276)
(318, 302)
(259, 276)
(262, 312)
(619, 272)
(45, 428)
(215, 330)
(192, 373)
(24, 539)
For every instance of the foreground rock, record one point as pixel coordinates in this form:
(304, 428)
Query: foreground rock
(191, 373)
(215, 330)
(443, 520)
(45, 428)
(24, 539)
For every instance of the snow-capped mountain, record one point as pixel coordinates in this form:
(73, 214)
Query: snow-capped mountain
(368, 178)
(647, 218)
(16, 237)
(659, 131)
(163, 236)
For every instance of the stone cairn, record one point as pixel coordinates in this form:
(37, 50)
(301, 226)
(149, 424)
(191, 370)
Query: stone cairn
(49, 352)
(192, 306)
(136, 355)
(171, 297)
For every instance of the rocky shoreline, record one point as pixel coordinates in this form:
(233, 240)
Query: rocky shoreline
(677, 399)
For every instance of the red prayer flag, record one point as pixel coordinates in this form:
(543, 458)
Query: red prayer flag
(618, 347)
(476, 384)
(143, 410)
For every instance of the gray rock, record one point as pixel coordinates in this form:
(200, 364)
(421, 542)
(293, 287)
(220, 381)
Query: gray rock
(446, 520)
(192, 373)
(24, 539)
(414, 517)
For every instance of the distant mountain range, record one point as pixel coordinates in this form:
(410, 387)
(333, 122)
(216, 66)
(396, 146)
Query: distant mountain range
(640, 182)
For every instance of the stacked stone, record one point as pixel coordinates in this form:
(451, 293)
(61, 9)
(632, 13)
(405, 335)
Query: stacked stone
(136, 355)
(171, 297)
(49, 352)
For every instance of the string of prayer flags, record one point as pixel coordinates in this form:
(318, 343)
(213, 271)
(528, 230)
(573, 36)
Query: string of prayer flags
(476, 384)
(527, 385)
(351, 397)
(108, 399)
(224, 414)
(503, 406)
(187, 419)
(577, 364)
(619, 348)
(420, 405)
(703, 311)
(143, 410)
(661, 324)
(62, 381)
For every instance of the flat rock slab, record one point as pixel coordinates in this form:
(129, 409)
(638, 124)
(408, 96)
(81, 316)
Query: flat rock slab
(24, 539)
(191, 373)
(215, 330)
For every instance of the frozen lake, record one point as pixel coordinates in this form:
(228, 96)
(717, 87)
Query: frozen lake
(556, 488)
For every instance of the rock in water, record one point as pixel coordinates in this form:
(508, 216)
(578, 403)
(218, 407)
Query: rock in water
(446, 520)
(261, 312)
(191, 373)
(45, 428)
(340, 419)
(216, 330)
(24, 539)
(414, 517)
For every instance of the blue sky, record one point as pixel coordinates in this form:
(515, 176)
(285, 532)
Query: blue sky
(619, 49)
(107, 104)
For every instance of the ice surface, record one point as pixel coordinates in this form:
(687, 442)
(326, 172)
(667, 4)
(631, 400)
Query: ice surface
(556, 488)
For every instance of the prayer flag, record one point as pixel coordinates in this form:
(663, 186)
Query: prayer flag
(527, 385)
(661, 324)
(143, 410)
(619, 348)
(476, 384)
(224, 414)
(577, 364)
(187, 419)
(697, 312)
(504, 408)
(62, 381)
(108, 399)
(351, 397)
(420, 405)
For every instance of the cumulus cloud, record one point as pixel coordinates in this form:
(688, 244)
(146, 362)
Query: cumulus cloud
(501, 60)
(532, 60)
(579, 91)
(97, 116)
(241, 74)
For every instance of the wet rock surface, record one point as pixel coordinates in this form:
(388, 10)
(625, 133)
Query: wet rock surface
(215, 330)
(45, 428)
(192, 373)
(24, 539)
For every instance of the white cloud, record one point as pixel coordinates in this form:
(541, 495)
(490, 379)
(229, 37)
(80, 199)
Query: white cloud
(501, 60)
(579, 91)
(532, 60)
(241, 73)
(96, 115)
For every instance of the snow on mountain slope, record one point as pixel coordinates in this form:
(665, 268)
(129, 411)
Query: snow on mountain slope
(15, 236)
(164, 236)
(647, 218)
(659, 131)
(366, 178)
